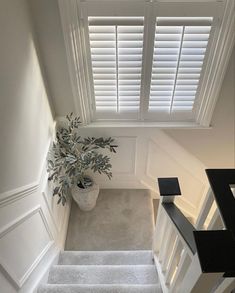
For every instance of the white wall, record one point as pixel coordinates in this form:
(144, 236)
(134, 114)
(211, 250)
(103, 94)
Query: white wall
(215, 147)
(26, 120)
(48, 28)
(31, 230)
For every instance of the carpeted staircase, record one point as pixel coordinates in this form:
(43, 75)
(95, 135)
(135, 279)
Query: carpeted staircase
(103, 272)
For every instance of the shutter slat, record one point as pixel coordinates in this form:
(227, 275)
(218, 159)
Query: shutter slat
(128, 98)
(130, 82)
(106, 98)
(161, 87)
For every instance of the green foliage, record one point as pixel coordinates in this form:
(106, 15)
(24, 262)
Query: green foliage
(70, 156)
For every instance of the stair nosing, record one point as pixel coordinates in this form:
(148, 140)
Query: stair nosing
(103, 265)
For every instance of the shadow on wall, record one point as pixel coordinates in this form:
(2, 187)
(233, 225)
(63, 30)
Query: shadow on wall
(25, 111)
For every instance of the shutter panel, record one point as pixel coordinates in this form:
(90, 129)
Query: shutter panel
(116, 56)
(103, 58)
(130, 49)
(179, 51)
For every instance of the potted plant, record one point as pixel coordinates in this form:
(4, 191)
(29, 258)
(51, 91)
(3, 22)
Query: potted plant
(69, 159)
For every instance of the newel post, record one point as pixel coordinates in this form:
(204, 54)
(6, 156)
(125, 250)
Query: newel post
(168, 189)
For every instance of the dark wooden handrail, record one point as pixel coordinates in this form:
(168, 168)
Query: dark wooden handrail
(182, 224)
(216, 249)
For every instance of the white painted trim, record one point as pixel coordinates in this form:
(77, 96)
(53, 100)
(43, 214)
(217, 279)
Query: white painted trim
(64, 227)
(160, 275)
(18, 193)
(7, 272)
(142, 124)
(50, 211)
(43, 269)
(217, 65)
(12, 225)
(147, 166)
(18, 283)
(183, 265)
(204, 209)
(76, 52)
(172, 264)
(134, 154)
(35, 263)
(216, 222)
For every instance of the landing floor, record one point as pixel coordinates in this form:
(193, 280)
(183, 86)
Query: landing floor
(123, 219)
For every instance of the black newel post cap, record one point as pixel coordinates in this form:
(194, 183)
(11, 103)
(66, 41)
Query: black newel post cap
(169, 186)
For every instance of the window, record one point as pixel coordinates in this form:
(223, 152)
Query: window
(147, 61)
(116, 49)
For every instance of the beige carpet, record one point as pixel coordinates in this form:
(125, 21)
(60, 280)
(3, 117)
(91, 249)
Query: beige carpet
(121, 220)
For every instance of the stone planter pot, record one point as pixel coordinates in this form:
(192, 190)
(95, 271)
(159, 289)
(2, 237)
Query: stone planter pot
(85, 197)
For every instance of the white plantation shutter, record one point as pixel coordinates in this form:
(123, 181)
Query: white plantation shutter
(116, 46)
(103, 57)
(179, 50)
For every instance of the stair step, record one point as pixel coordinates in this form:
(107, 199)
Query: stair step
(114, 288)
(103, 274)
(139, 257)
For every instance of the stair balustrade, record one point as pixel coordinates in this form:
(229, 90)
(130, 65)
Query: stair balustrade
(201, 258)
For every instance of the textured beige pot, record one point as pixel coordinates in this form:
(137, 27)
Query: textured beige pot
(85, 198)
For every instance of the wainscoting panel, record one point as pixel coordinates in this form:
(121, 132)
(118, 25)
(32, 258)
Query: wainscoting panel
(143, 155)
(23, 243)
(56, 211)
(32, 226)
(123, 165)
(126, 151)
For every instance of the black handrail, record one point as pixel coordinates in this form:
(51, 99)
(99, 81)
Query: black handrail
(182, 224)
(216, 249)
(170, 187)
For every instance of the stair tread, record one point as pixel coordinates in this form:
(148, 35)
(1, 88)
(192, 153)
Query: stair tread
(103, 274)
(105, 257)
(98, 288)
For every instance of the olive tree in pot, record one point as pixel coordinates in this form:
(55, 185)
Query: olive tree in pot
(71, 157)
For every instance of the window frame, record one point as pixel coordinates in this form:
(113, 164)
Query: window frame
(223, 14)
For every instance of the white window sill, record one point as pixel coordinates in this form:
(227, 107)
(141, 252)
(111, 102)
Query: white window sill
(146, 124)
